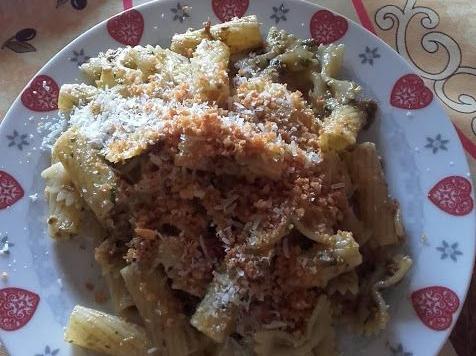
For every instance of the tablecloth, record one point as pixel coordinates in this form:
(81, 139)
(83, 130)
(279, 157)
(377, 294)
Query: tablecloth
(435, 36)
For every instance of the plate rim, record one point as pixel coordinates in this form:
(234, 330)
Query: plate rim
(154, 3)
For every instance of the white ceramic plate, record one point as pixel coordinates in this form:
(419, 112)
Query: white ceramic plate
(424, 163)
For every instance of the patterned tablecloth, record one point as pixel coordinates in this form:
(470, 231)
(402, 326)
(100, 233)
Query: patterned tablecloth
(435, 36)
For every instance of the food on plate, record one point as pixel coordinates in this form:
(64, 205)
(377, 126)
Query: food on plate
(239, 213)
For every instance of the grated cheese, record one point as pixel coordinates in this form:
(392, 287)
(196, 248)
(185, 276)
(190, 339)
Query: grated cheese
(50, 128)
(33, 197)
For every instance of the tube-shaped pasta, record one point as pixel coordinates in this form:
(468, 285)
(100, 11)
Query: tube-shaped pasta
(215, 315)
(64, 202)
(335, 254)
(352, 223)
(230, 347)
(111, 265)
(344, 90)
(72, 95)
(120, 296)
(106, 80)
(92, 177)
(374, 206)
(331, 57)
(318, 336)
(123, 65)
(160, 311)
(105, 333)
(210, 71)
(341, 128)
(319, 90)
(238, 34)
(262, 239)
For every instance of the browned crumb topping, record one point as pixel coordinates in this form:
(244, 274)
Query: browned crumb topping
(218, 193)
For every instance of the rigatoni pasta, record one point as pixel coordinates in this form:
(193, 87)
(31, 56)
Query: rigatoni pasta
(216, 314)
(92, 177)
(240, 215)
(64, 202)
(238, 34)
(210, 71)
(105, 333)
(377, 209)
(341, 128)
(161, 312)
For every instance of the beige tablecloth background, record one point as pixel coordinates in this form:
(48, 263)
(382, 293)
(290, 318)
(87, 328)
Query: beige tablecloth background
(452, 72)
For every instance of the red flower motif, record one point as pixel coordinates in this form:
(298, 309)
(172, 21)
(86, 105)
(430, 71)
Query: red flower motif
(452, 195)
(409, 92)
(326, 27)
(41, 94)
(17, 306)
(10, 190)
(126, 28)
(225, 10)
(435, 306)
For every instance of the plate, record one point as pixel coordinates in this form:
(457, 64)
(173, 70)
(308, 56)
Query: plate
(424, 163)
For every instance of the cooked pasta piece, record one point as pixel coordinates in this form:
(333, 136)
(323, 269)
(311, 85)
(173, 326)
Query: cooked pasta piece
(105, 333)
(210, 71)
(121, 299)
(91, 176)
(279, 41)
(340, 129)
(120, 296)
(350, 222)
(215, 315)
(176, 68)
(111, 263)
(230, 347)
(160, 311)
(305, 227)
(343, 91)
(123, 65)
(331, 58)
(319, 91)
(64, 202)
(106, 80)
(344, 283)
(148, 60)
(318, 338)
(296, 59)
(263, 238)
(372, 315)
(375, 207)
(72, 95)
(333, 256)
(238, 34)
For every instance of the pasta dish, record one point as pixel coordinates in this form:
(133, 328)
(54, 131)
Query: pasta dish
(237, 213)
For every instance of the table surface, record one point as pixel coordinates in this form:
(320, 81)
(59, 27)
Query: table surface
(452, 21)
